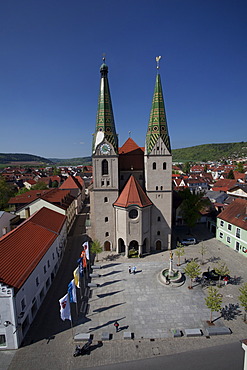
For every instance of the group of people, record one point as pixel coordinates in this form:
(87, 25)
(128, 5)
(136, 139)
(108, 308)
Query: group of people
(132, 270)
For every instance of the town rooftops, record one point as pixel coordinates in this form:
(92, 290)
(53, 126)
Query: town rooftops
(236, 213)
(22, 248)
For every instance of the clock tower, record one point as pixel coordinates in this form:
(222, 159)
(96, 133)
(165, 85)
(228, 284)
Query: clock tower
(105, 168)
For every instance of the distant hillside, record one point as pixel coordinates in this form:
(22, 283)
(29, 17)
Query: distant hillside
(22, 159)
(211, 152)
(72, 162)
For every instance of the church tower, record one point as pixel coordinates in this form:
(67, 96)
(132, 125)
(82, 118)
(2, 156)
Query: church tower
(105, 168)
(158, 171)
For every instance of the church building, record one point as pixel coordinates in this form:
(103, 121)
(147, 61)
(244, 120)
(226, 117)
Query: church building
(131, 195)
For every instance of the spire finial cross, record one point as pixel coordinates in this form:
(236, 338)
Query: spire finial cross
(157, 61)
(103, 55)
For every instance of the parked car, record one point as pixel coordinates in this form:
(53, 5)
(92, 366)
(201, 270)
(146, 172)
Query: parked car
(189, 241)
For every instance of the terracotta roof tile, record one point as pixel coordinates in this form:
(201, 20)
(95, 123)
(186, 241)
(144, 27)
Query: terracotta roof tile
(236, 213)
(133, 194)
(49, 219)
(71, 183)
(21, 250)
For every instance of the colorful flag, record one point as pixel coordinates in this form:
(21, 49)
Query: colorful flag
(81, 272)
(72, 291)
(65, 308)
(84, 260)
(86, 249)
(77, 277)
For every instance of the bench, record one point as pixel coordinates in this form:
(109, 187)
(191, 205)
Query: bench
(105, 336)
(82, 337)
(128, 335)
(221, 330)
(94, 275)
(193, 332)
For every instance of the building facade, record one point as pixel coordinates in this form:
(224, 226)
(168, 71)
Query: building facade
(131, 197)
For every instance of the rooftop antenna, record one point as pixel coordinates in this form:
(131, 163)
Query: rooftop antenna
(129, 133)
(158, 61)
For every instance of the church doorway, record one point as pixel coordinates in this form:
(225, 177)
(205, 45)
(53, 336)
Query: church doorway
(107, 246)
(158, 245)
(134, 245)
(121, 246)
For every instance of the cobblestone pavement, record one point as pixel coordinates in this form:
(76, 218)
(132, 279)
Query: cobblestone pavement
(144, 306)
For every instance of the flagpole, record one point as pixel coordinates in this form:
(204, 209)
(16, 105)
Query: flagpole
(71, 323)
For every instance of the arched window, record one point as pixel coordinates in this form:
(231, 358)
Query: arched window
(105, 199)
(161, 188)
(107, 234)
(157, 187)
(164, 165)
(104, 167)
(158, 219)
(158, 232)
(154, 165)
(106, 219)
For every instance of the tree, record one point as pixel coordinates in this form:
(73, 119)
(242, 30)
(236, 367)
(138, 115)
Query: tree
(179, 253)
(192, 204)
(243, 298)
(221, 269)
(230, 175)
(5, 193)
(40, 186)
(240, 167)
(186, 167)
(203, 250)
(213, 300)
(96, 248)
(192, 270)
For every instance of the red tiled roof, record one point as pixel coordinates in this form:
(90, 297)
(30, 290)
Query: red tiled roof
(49, 219)
(236, 213)
(28, 197)
(226, 183)
(131, 156)
(71, 183)
(21, 250)
(132, 194)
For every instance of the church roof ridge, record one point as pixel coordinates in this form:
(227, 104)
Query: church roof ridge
(133, 194)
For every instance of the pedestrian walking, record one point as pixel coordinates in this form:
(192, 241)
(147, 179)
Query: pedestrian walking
(116, 324)
(134, 270)
(129, 269)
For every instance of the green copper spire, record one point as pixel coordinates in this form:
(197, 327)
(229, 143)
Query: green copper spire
(105, 126)
(157, 126)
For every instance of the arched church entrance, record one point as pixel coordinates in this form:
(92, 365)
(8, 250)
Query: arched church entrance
(121, 246)
(158, 245)
(107, 246)
(134, 245)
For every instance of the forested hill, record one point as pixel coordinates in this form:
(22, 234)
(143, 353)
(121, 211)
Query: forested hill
(19, 159)
(211, 152)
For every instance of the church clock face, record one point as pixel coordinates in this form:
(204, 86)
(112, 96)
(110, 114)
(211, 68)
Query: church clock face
(105, 148)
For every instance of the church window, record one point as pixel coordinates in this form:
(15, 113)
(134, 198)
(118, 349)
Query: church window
(158, 219)
(106, 219)
(107, 182)
(161, 188)
(157, 188)
(105, 199)
(102, 183)
(133, 213)
(154, 165)
(107, 234)
(164, 165)
(158, 232)
(105, 170)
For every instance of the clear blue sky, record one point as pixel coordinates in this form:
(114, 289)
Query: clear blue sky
(51, 51)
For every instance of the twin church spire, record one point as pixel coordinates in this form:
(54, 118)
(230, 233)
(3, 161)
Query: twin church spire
(105, 125)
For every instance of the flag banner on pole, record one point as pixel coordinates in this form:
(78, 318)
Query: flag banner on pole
(81, 272)
(65, 308)
(86, 249)
(72, 291)
(84, 260)
(77, 277)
